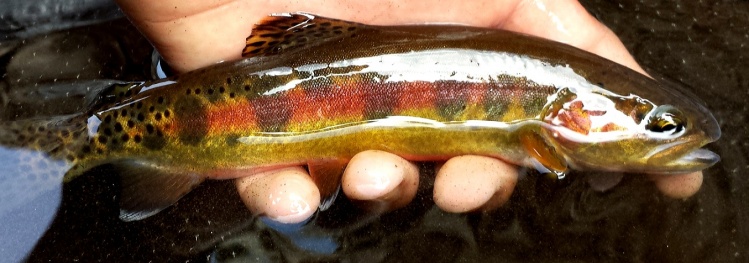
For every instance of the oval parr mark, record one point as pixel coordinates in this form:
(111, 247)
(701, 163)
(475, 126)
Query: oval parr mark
(190, 118)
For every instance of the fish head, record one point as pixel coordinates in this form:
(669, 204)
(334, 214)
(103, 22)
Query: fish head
(601, 130)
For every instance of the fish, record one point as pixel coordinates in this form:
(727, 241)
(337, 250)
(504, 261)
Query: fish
(314, 91)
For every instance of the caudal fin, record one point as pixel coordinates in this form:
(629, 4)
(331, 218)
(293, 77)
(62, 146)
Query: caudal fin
(35, 155)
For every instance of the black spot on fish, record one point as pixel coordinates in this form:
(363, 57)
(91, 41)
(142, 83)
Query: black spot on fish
(232, 95)
(149, 128)
(102, 139)
(246, 87)
(221, 90)
(141, 117)
(157, 116)
(108, 131)
(118, 127)
(130, 124)
(151, 109)
(210, 91)
(137, 138)
(139, 105)
(273, 35)
(256, 44)
(197, 91)
(167, 113)
(107, 119)
(125, 137)
(160, 100)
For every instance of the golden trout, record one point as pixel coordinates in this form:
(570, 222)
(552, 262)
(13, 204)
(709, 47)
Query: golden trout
(315, 91)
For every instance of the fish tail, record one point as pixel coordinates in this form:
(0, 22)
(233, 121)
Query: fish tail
(58, 137)
(36, 154)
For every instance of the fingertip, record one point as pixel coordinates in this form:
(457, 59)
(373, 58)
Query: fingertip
(286, 195)
(381, 177)
(468, 183)
(678, 186)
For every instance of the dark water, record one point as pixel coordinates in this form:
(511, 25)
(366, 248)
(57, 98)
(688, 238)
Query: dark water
(703, 44)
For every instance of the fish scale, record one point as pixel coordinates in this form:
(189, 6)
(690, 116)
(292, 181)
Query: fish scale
(315, 91)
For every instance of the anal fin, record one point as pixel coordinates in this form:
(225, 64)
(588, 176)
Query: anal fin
(147, 188)
(282, 32)
(327, 176)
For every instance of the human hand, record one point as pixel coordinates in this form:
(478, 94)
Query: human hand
(195, 34)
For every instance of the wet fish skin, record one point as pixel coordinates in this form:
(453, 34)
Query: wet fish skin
(315, 91)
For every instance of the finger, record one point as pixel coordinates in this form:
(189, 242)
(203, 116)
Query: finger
(468, 183)
(285, 195)
(381, 181)
(678, 185)
(192, 34)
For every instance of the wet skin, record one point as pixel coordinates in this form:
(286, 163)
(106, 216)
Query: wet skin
(195, 34)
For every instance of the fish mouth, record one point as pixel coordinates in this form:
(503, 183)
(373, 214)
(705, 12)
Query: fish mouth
(684, 156)
(696, 160)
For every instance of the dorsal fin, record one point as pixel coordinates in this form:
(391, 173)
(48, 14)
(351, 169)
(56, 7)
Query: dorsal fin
(283, 32)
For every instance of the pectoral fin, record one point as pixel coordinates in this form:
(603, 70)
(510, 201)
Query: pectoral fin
(327, 176)
(546, 159)
(147, 189)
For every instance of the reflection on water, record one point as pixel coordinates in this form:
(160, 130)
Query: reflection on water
(703, 44)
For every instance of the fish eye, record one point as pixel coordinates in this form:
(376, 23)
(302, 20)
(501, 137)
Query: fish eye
(666, 120)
